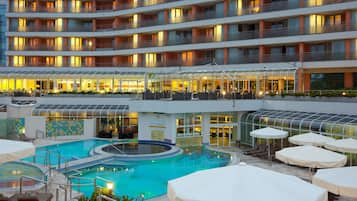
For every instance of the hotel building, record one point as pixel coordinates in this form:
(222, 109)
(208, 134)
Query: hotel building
(183, 71)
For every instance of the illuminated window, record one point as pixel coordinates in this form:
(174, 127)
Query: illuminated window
(160, 38)
(135, 20)
(59, 24)
(135, 3)
(58, 43)
(59, 5)
(239, 7)
(150, 2)
(135, 40)
(58, 61)
(18, 61)
(135, 60)
(50, 61)
(335, 20)
(316, 23)
(218, 33)
(22, 24)
(76, 43)
(19, 43)
(19, 5)
(254, 5)
(186, 57)
(75, 61)
(315, 2)
(150, 59)
(76, 6)
(176, 15)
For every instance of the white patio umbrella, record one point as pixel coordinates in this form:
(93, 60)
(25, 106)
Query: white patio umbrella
(269, 133)
(310, 156)
(340, 181)
(13, 150)
(310, 139)
(242, 182)
(348, 145)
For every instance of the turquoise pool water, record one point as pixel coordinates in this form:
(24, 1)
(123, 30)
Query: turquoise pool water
(10, 174)
(150, 177)
(69, 151)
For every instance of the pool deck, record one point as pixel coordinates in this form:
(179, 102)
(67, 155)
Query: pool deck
(240, 157)
(266, 164)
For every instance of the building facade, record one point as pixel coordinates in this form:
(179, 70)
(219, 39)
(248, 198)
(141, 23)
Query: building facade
(3, 28)
(174, 50)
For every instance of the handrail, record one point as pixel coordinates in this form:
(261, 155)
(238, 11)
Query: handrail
(31, 178)
(116, 148)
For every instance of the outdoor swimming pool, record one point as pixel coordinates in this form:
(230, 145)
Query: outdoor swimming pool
(69, 151)
(150, 177)
(10, 174)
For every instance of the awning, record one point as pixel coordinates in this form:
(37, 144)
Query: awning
(340, 181)
(269, 133)
(76, 109)
(312, 157)
(348, 145)
(242, 182)
(310, 139)
(13, 150)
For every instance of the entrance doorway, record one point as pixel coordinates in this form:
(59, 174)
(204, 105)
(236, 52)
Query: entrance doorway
(221, 136)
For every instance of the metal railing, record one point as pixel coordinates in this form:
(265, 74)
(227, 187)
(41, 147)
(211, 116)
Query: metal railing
(21, 182)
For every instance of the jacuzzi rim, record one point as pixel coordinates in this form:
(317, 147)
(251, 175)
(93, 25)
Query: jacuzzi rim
(37, 186)
(173, 151)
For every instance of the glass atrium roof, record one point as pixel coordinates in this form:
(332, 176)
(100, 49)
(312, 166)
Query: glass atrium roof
(101, 109)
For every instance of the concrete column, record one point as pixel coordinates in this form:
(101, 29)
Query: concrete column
(301, 51)
(348, 18)
(301, 24)
(239, 133)
(281, 86)
(225, 32)
(348, 80)
(300, 78)
(306, 81)
(112, 85)
(347, 48)
(226, 8)
(55, 87)
(145, 82)
(261, 29)
(194, 12)
(226, 56)
(166, 17)
(261, 54)
(74, 85)
(94, 24)
(120, 85)
(195, 34)
(205, 128)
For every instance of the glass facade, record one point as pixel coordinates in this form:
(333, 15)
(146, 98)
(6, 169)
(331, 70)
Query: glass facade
(336, 125)
(322, 81)
(2, 34)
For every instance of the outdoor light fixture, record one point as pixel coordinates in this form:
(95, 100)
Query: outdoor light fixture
(343, 93)
(260, 93)
(110, 186)
(223, 93)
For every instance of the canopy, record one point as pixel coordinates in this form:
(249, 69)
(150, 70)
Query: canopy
(310, 156)
(340, 181)
(344, 145)
(310, 139)
(242, 182)
(14, 150)
(269, 133)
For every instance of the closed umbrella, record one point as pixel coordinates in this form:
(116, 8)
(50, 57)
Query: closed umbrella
(348, 145)
(310, 139)
(269, 133)
(13, 150)
(340, 181)
(310, 156)
(242, 182)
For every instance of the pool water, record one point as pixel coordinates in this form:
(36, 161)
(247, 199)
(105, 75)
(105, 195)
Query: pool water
(69, 151)
(136, 148)
(10, 174)
(150, 177)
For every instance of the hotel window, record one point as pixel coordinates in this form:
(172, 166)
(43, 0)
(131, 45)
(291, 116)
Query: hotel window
(59, 5)
(135, 40)
(254, 5)
(176, 15)
(59, 24)
(188, 125)
(50, 61)
(76, 43)
(50, 6)
(160, 38)
(150, 2)
(314, 2)
(58, 61)
(18, 61)
(135, 60)
(135, 20)
(76, 6)
(334, 20)
(218, 33)
(239, 7)
(19, 43)
(75, 61)
(19, 5)
(316, 23)
(22, 24)
(186, 57)
(58, 43)
(150, 59)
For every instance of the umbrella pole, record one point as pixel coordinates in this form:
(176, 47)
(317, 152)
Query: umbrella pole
(282, 143)
(268, 144)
